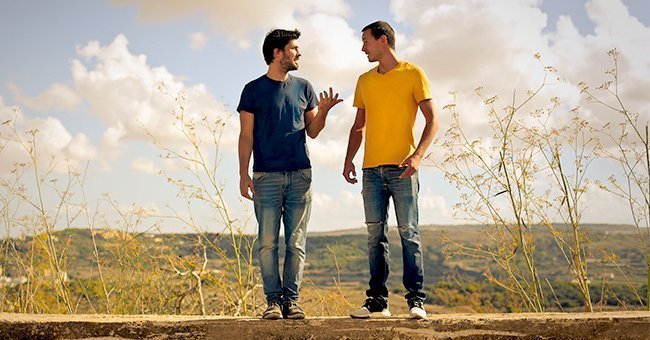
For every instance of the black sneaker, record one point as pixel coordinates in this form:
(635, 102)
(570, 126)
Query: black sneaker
(291, 310)
(416, 309)
(273, 311)
(372, 308)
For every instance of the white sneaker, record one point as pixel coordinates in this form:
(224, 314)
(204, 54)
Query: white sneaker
(371, 309)
(417, 310)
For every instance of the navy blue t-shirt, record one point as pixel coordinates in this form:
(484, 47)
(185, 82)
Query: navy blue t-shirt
(279, 142)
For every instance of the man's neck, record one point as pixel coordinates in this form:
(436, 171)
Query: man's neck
(387, 62)
(276, 72)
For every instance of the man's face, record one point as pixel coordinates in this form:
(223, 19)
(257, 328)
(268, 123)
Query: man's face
(371, 46)
(289, 56)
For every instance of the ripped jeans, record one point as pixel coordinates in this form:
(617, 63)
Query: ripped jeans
(379, 184)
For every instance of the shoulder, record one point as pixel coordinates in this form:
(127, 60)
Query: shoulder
(369, 73)
(410, 67)
(257, 81)
(298, 80)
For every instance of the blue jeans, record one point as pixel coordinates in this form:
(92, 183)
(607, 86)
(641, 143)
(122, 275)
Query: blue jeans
(286, 196)
(379, 184)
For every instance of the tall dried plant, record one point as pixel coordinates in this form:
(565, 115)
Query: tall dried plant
(517, 182)
(201, 134)
(627, 144)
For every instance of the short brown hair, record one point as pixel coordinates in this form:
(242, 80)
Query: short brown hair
(379, 28)
(277, 38)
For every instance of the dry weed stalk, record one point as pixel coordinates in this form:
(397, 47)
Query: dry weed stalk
(51, 273)
(37, 205)
(517, 186)
(628, 144)
(202, 134)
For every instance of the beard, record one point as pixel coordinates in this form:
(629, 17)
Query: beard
(290, 65)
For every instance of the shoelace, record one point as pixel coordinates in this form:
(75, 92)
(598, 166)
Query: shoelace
(372, 302)
(416, 303)
(291, 304)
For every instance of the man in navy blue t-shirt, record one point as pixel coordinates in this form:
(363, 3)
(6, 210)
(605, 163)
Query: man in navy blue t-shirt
(276, 110)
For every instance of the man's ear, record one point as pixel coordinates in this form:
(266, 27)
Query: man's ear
(383, 39)
(276, 52)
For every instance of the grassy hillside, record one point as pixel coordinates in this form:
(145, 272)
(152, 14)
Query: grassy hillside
(337, 264)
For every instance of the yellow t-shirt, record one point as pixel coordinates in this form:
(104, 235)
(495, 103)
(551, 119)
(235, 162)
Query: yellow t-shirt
(390, 101)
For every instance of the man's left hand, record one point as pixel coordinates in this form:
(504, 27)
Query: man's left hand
(412, 164)
(328, 100)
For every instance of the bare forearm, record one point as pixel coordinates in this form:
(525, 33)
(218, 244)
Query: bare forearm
(317, 124)
(245, 150)
(431, 127)
(354, 143)
(428, 134)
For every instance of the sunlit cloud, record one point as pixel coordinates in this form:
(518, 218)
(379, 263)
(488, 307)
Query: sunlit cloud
(57, 97)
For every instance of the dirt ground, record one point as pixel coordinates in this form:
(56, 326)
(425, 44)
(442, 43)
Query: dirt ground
(611, 325)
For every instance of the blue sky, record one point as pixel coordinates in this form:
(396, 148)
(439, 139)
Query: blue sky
(85, 72)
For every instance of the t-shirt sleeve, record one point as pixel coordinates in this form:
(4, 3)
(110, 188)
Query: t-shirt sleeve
(421, 88)
(312, 98)
(246, 102)
(358, 96)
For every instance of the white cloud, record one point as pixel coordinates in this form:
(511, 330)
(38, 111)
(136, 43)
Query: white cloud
(236, 19)
(198, 41)
(493, 46)
(57, 97)
(146, 166)
(599, 206)
(433, 208)
(460, 44)
(331, 52)
(123, 91)
(331, 48)
(80, 147)
(346, 207)
(54, 145)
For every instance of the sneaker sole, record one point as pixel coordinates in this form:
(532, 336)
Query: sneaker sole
(295, 317)
(417, 316)
(375, 315)
(272, 317)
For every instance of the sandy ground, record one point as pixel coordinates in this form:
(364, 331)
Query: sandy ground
(610, 325)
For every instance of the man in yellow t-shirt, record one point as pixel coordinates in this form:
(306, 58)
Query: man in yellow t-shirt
(387, 99)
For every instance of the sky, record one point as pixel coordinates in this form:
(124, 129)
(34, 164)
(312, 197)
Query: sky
(87, 75)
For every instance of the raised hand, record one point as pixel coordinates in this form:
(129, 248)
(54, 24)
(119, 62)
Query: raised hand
(328, 100)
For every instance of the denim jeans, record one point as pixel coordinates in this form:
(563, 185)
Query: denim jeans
(379, 184)
(286, 196)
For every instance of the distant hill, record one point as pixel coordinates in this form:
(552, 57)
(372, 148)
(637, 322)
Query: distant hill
(350, 245)
(341, 256)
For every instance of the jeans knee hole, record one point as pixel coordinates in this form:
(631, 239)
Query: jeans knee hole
(406, 228)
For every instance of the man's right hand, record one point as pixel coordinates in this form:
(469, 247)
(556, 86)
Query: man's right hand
(349, 173)
(246, 188)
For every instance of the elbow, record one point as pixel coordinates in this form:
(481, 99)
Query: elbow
(357, 129)
(314, 130)
(313, 134)
(245, 139)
